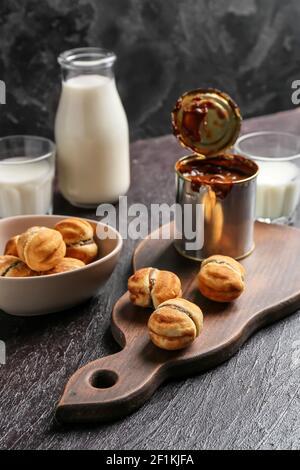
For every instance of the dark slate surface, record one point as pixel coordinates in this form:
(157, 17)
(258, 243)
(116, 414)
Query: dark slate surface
(250, 402)
(249, 48)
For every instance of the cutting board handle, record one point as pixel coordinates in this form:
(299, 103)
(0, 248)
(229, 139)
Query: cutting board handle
(109, 388)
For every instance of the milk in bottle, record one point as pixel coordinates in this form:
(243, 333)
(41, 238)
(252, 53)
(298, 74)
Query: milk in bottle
(91, 130)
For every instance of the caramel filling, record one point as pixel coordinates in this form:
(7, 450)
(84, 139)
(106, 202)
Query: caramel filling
(181, 310)
(90, 241)
(152, 279)
(176, 307)
(12, 266)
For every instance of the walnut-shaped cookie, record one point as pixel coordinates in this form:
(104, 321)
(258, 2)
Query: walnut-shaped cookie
(150, 287)
(221, 278)
(11, 266)
(41, 248)
(11, 246)
(66, 264)
(78, 235)
(175, 324)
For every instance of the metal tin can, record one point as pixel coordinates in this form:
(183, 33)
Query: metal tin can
(215, 190)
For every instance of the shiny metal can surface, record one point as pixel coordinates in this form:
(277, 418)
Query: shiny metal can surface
(215, 216)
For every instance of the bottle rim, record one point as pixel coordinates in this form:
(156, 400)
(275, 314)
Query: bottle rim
(86, 58)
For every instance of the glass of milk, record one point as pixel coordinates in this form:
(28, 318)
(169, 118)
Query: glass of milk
(27, 168)
(278, 184)
(91, 130)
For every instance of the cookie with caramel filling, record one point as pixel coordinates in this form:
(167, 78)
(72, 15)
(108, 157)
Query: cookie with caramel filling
(11, 266)
(78, 235)
(175, 324)
(41, 248)
(221, 278)
(11, 246)
(66, 264)
(150, 286)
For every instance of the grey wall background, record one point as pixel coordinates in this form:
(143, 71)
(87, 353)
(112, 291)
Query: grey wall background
(249, 48)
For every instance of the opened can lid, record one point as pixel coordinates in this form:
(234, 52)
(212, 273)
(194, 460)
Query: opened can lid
(207, 121)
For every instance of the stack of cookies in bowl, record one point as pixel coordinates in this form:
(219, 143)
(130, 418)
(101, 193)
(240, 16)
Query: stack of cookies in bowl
(49, 263)
(44, 251)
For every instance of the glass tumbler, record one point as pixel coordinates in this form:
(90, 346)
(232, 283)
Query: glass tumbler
(27, 169)
(278, 184)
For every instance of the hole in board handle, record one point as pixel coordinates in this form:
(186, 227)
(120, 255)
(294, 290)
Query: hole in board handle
(104, 379)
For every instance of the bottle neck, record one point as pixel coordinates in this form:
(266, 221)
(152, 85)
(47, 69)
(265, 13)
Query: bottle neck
(67, 74)
(86, 61)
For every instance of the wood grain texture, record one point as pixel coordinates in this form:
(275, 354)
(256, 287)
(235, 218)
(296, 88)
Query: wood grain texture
(250, 402)
(114, 386)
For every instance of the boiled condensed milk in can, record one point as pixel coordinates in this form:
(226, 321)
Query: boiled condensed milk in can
(215, 189)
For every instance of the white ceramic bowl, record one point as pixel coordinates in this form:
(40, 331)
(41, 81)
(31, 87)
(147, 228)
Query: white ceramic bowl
(46, 294)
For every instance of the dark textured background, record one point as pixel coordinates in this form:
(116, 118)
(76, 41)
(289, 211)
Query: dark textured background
(250, 48)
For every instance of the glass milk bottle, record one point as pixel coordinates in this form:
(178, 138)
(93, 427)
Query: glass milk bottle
(91, 130)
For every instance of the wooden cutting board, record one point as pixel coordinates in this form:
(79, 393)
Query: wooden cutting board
(114, 386)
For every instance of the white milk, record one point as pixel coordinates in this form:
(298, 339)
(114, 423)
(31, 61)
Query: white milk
(278, 189)
(92, 140)
(25, 188)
